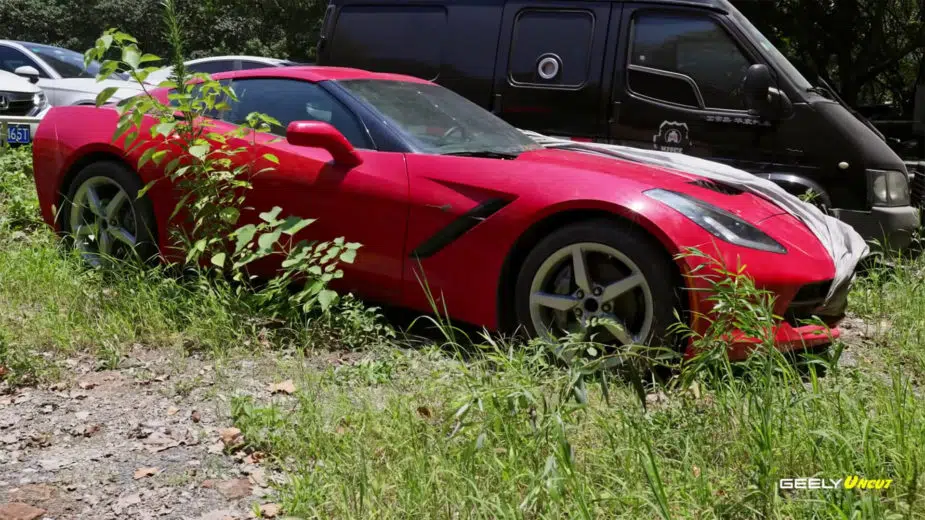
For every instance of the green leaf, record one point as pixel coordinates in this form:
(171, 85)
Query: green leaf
(293, 224)
(164, 128)
(272, 158)
(271, 216)
(104, 95)
(131, 56)
(326, 298)
(266, 240)
(230, 215)
(218, 259)
(142, 191)
(199, 151)
(348, 256)
(146, 156)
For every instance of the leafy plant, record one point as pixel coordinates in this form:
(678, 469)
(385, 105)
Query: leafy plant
(212, 177)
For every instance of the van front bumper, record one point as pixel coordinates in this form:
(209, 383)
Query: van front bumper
(891, 227)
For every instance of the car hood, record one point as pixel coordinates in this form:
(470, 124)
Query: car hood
(92, 86)
(576, 165)
(10, 82)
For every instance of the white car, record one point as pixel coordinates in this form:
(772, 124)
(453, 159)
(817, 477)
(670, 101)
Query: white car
(61, 73)
(20, 98)
(216, 64)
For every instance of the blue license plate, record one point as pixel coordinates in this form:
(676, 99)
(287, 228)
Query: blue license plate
(18, 134)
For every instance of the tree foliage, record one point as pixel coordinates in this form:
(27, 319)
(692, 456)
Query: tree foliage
(870, 50)
(277, 28)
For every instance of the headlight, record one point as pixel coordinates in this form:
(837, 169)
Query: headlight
(718, 222)
(888, 187)
(39, 101)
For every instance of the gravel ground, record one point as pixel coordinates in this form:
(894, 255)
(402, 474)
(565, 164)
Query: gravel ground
(141, 442)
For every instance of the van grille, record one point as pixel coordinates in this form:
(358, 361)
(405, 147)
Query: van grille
(917, 188)
(16, 103)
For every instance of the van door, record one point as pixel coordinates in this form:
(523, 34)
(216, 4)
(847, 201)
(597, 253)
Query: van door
(550, 65)
(678, 87)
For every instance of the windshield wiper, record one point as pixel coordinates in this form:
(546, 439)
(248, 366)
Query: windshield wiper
(488, 154)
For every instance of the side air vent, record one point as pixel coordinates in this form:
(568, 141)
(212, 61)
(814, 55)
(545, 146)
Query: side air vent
(717, 187)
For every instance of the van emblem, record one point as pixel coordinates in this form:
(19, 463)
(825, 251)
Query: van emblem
(4, 103)
(672, 136)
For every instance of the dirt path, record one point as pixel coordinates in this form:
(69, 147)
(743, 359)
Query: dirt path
(140, 442)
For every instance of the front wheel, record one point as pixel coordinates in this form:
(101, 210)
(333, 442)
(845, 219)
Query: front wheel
(611, 282)
(104, 218)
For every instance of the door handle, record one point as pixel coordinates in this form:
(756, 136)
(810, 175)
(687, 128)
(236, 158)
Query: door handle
(444, 208)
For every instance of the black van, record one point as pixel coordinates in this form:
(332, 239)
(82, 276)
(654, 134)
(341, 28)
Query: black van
(691, 76)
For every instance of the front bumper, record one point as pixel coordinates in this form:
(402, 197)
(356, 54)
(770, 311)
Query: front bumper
(892, 227)
(787, 338)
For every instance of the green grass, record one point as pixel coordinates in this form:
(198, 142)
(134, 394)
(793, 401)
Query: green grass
(494, 429)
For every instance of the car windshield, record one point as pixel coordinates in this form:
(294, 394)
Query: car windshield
(68, 63)
(439, 121)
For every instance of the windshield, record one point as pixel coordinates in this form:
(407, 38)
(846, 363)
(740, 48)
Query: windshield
(68, 63)
(439, 121)
(777, 58)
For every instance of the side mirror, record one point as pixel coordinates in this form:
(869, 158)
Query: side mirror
(28, 72)
(757, 87)
(318, 134)
(762, 97)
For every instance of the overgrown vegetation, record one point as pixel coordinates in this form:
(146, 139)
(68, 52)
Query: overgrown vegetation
(480, 427)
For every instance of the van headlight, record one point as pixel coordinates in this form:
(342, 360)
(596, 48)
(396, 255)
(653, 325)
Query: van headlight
(888, 187)
(718, 222)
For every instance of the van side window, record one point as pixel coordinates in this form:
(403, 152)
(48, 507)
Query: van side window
(536, 58)
(390, 38)
(691, 46)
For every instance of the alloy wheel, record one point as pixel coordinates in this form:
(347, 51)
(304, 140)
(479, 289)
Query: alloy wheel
(592, 287)
(102, 221)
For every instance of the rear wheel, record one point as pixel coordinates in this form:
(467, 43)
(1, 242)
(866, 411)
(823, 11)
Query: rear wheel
(104, 217)
(598, 272)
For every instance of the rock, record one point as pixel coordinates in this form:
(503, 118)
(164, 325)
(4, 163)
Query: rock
(258, 477)
(224, 514)
(145, 472)
(173, 410)
(125, 502)
(157, 442)
(231, 437)
(19, 511)
(32, 493)
(286, 387)
(54, 463)
(82, 415)
(195, 417)
(270, 510)
(234, 489)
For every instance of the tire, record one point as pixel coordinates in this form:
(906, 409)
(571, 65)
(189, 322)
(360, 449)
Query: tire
(124, 212)
(639, 254)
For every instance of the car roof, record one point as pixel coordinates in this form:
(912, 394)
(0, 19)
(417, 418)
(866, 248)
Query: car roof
(317, 74)
(236, 57)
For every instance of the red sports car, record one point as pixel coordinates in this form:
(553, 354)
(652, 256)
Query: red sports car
(505, 231)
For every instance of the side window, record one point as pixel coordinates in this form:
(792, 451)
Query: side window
(688, 45)
(212, 67)
(246, 64)
(288, 100)
(11, 59)
(538, 59)
(390, 38)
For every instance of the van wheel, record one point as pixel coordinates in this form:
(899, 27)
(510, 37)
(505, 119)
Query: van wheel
(103, 217)
(597, 271)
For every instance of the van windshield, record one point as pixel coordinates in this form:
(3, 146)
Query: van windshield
(439, 121)
(777, 58)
